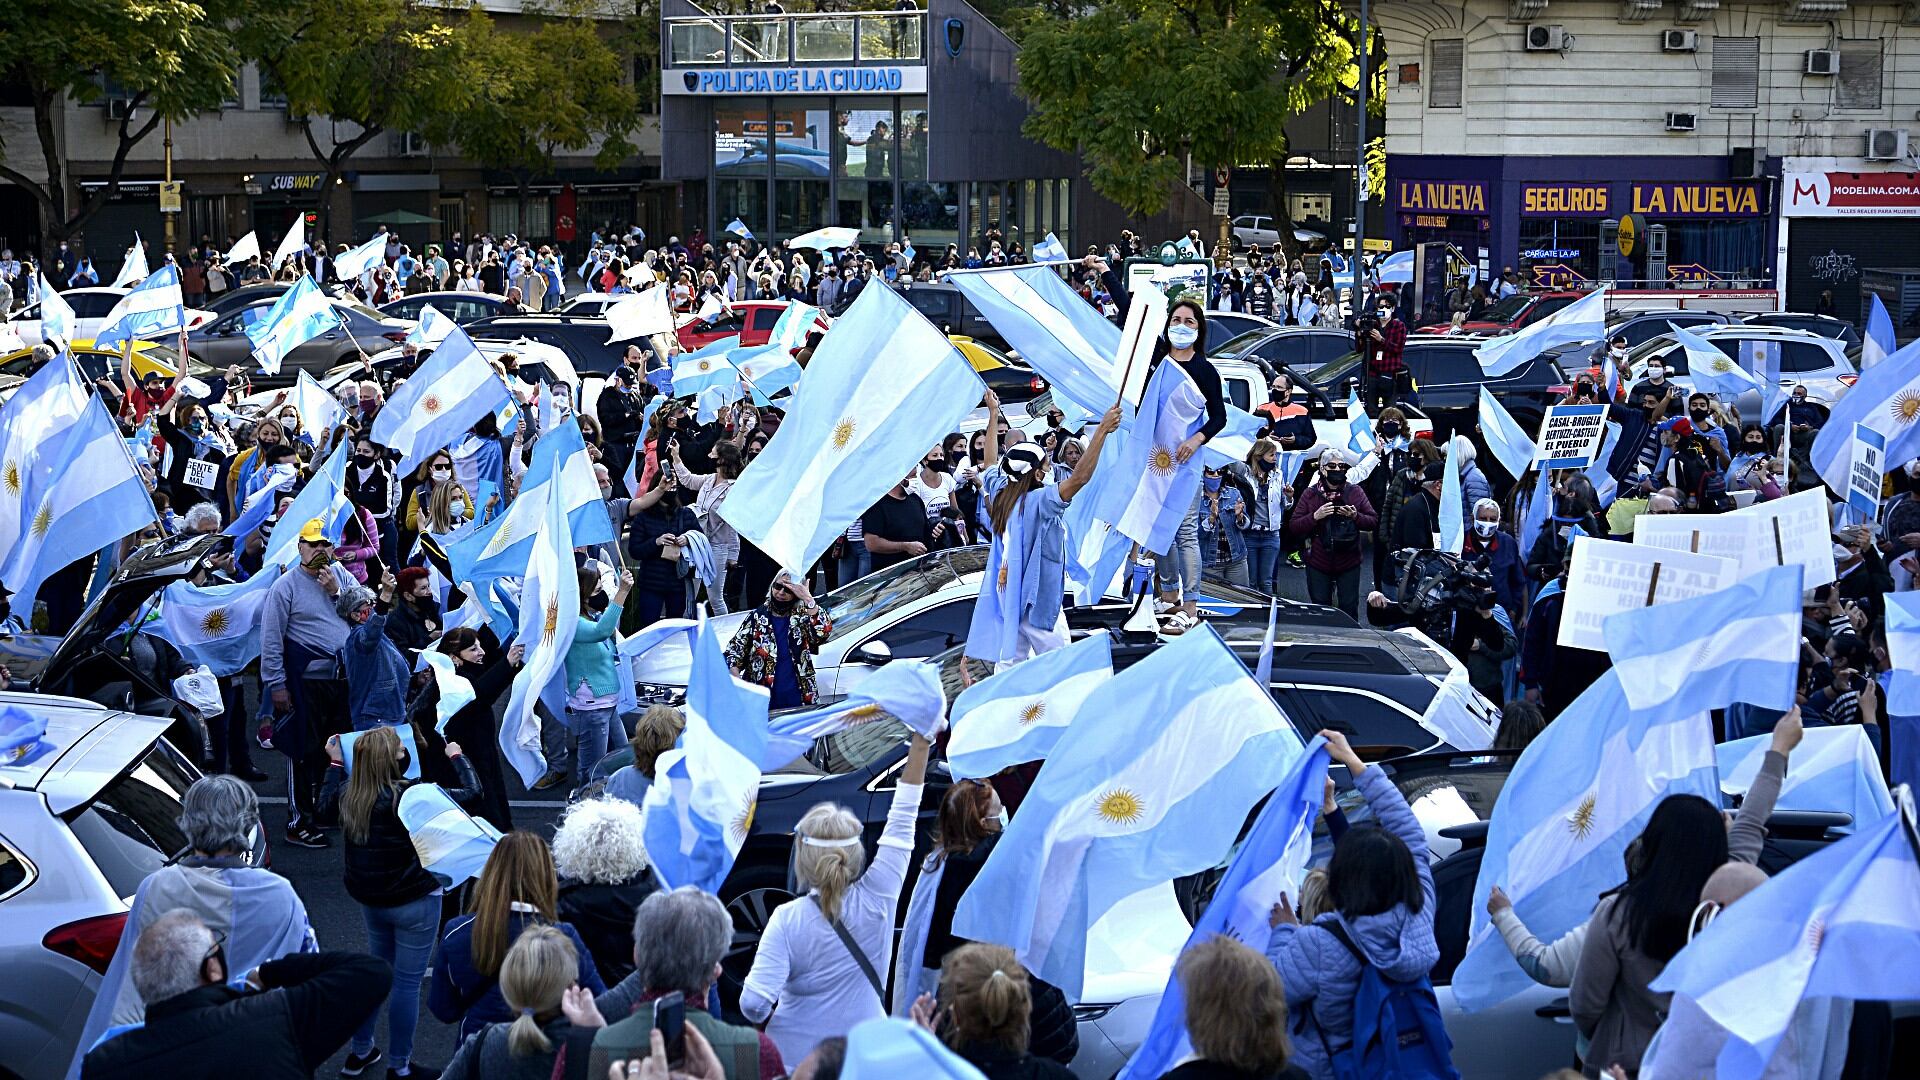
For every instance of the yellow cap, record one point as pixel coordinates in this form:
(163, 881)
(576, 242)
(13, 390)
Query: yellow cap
(314, 532)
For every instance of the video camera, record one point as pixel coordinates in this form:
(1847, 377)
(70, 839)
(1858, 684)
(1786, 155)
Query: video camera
(1434, 584)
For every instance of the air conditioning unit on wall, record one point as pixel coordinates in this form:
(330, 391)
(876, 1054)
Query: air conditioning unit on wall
(1546, 38)
(1679, 41)
(1823, 62)
(1680, 121)
(1886, 144)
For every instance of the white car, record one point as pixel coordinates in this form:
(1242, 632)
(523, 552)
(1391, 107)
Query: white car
(91, 306)
(526, 352)
(1249, 229)
(1812, 360)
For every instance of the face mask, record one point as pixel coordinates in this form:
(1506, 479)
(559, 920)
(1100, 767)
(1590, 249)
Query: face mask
(597, 602)
(1484, 529)
(1913, 468)
(606, 493)
(1002, 818)
(405, 761)
(319, 559)
(442, 475)
(458, 508)
(1656, 372)
(363, 460)
(1270, 463)
(1756, 448)
(1182, 337)
(1841, 553)
(1618, 350)
(1799, 399)
(196, 427)
(1699, 416)
(1213, 484)
(1335, 477)
(1390, 429)
(938, 466)
(1279, 397)
(781, 607)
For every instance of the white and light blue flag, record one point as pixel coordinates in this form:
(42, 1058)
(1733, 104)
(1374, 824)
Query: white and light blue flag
(1712, 371)
(215, 625)
(827, 239)
(796, 321)
(548, 617)
(432, 329)
(1017, 715)
(881, 382)
(1066, 340)
(1835, 770)
(408, 742)
(905, 690)
(1268, 866)
(887, 1049)
(35, 426)
(1187, 743)
(1886, 399)
(293, 243)
(1509, 444)
(501, 547)
(739, 228)
(1579, 794)
(320, 412)
(1843, 923)
(456, 692)
(1741, 643)
(1154, 489)
(1095, 551)
(1452, 523)
(153, 308)
(705, 367)
(351, 264)
(133, 267)
(1360, 436)
(452, 844)
(645, 313)
(57, 319)
(1879, 341)
(260, 505)
(1903, 652)
(441, 402)
(84, 492)
(700, 805)
(247, 247)
(1583, 320)
(1395, 269)
(1050, 250)
(324, 497)
(768, 368)
(301, 314)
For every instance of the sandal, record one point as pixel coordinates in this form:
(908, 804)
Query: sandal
(1178, 623)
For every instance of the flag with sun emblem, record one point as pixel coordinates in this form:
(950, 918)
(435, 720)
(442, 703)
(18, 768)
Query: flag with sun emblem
(1579, 793)
(1156, 487)
(435, 408)
(1840, 924)
(905, 690)
(708, 366)
(1185, 745)
(1886, 399)
(35, 427)
(549, 615)
(881, 388)
(1712, 371)
(1019, 714)
(215, 625)
(700, 805)
(501, 547)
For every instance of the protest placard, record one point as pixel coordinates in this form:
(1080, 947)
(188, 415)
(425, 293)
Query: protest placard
(1570, 436)
(1868, 469)
(1725, 536)
(1606, 577)
(1793, 529)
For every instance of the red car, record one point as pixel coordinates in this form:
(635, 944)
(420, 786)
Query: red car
(751, 319)
(1509, 315)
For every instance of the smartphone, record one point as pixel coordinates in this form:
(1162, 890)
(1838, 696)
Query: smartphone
(670, 1016)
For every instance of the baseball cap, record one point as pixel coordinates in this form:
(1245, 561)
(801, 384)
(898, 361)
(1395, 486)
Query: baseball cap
(315, 532)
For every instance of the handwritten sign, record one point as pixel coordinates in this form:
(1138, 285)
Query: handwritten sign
(202, 474)
(1868, 469)
(1570, 436)
(1725, 536)
(1606, 577)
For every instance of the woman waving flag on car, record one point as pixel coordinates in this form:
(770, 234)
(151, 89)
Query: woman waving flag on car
(1018, 613)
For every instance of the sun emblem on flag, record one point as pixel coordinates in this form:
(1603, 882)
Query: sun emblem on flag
(1031, 714)
(1160, 461)
(1003, 575)
(1722, 365)
(706, 365)
(11, 477)
(430, 404)
(1816, 933)
(43, 519)
(214, 622)
(743, 821)
(1906, 406)
(553, 620)
(1120, 807)
(865, 714)
(1580, 822)
(843, 433)
(502, 537)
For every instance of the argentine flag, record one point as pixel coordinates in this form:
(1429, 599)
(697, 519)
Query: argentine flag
(1360, 436)
(1741, 643)
(452, 844)
(1841, 923)
(152, 309)
(432, 329)
(1510, 445)
(1153, 491)
(906, 690)
(292, 243)
(1903, 652)
(1271, 863)
(881, 385)
(549, 615)
(456, 692)
(56, 316)
(1019, 714)
(351, 264)
(1879, 342)
(1452, 522)
(443, 400)
(1886, 399)
(1583, 320)
(132, 268)
(1050, 250)
(301, 314)
(1834, 770)
(1579, 793)
(826, 239)
(643, 314)
(215, 625)
(768, 369)
(1712, 371)
(1052, 328)
(796, 321)
(1187, 743)
(501, 547)
(320, 412)
(705, 367)
(324, 497)
(1094, 550)
(739, 228)
(1395, 269)
(83, 492)
(700, 805)
(260, 504)
(35, 427)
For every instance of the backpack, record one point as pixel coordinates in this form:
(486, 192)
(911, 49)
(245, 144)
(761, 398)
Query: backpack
(1339, 535)
(1398, 1033)
(1710, 489)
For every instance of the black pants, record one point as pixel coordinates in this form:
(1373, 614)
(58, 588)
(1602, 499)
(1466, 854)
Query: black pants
(228, 734)
(1382, 391)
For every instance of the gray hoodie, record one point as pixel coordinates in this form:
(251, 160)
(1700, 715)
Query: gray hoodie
(1322, 976)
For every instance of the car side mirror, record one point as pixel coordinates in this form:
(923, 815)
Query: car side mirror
(874, 653)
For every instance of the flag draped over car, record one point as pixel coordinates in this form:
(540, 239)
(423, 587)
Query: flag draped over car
(1020, 714)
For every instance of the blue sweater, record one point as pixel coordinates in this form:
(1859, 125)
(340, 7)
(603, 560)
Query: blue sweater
(457, 983)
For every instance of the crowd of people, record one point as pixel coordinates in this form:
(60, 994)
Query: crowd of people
(557, 958)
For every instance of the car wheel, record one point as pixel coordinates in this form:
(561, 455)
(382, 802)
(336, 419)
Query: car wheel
(760, 889)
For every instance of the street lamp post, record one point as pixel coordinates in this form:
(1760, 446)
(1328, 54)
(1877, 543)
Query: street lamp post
(1360, 164)
(167, 147)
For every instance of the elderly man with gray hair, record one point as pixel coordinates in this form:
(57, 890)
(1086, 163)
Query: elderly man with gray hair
(256, 912)
(377, 672)
(679, 938)
(282, 1018)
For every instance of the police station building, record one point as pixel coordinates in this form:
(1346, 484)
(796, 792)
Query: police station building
(901, 123)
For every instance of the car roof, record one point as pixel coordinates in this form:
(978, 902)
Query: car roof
(1762, 330)
(464, 294)
(92, 744)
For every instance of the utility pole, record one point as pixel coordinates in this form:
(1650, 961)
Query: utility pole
(169, 195)
(1360, 164)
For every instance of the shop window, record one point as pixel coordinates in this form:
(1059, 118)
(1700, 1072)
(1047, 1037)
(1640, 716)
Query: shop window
(1736, 73)
(930, 215)
(503, 215)
(1448, 74)
(817, 39)
(1859, 84)
(696, 41)
(866, 205)
(743, 141)
(799, 206)
(866, 143)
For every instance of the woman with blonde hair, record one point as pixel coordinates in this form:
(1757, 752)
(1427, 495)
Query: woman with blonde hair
(653, 734)
(555, 1019)
(517, 889)
(819, 960)
(983, 1013)
(1236, 1013)
(399, 899)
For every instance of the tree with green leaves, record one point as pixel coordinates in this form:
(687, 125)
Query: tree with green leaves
(167, 59)
(1140, 87)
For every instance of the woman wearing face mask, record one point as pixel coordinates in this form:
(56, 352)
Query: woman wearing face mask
(398, 898)
(1266, 492)
(658, 522)
(1331, 515)
(415, 622)
(1223, 513)
(933, 482)
(371, 486)
(434, 473)
(1498, 553)
(1751, 468)
(709, 496)
(490, 672)
(1376, 473)
(196, 448)
(1185, 344)
(248, 463)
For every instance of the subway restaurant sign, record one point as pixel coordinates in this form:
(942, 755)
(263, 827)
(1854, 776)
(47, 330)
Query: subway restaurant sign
(1727, 199)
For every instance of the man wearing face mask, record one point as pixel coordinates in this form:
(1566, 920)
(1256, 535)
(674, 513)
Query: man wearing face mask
(300, 635)
(1800, 421)
(1666, 395)
(1287, 421)
(1331, 514)
(1259, 295)
(1700, 412)
(895, 528)
(620, 412)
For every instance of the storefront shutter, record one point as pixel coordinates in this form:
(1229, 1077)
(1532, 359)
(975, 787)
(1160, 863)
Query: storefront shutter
(1449, 61)
(1736, 73)
(1859, 83)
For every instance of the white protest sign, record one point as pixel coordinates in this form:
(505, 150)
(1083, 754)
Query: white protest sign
(1607, 577)
(1795, 529)
(1146, 318)
(1570, 436)
(202, 474)
(1724, 536)
(1867, 470)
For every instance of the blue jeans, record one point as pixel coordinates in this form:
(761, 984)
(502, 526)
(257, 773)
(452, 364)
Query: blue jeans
(1263, 561)
(402, 936)
(592, 738)
(856, 563)
(1179, 566)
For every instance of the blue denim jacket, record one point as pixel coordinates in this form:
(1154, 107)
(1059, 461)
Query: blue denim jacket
(1227, 524)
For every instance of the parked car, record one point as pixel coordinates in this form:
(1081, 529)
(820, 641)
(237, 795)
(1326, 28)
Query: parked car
(1636, 326)
(1815, 361)
(582, 337)
(461, 307)
(1010, 379)
(1301, 348)
(947, 308)
(1224, 326)
(1823, 325)
(148, 357)
(592, 303)
(224, 341)
(91, 306)
(1511, 314)
(1249, 229)
(753, 320)
(1447, 379)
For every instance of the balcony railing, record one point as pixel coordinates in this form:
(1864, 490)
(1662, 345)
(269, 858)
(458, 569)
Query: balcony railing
(879, 37)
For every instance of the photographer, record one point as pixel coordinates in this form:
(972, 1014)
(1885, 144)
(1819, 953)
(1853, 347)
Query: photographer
(1380, 337)
(1453, 602)
(1331, 514)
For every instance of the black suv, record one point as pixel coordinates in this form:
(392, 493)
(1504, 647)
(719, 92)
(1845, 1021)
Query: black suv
(1447, 379)
(582, 337)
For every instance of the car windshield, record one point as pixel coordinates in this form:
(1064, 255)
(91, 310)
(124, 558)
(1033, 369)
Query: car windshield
(1509, 309)
(1325, 374)
(1239, 344)
(857, 747)
(852, 607)
(132, 828)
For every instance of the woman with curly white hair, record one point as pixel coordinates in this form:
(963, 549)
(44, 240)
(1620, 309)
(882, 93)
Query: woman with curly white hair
(820, 958)
(601, 856)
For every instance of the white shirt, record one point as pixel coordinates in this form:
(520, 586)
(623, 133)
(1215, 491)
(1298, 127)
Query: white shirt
(935, 496)
(804, 967)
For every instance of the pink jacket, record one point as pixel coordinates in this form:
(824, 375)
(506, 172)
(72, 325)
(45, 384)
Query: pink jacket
(359, 545)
